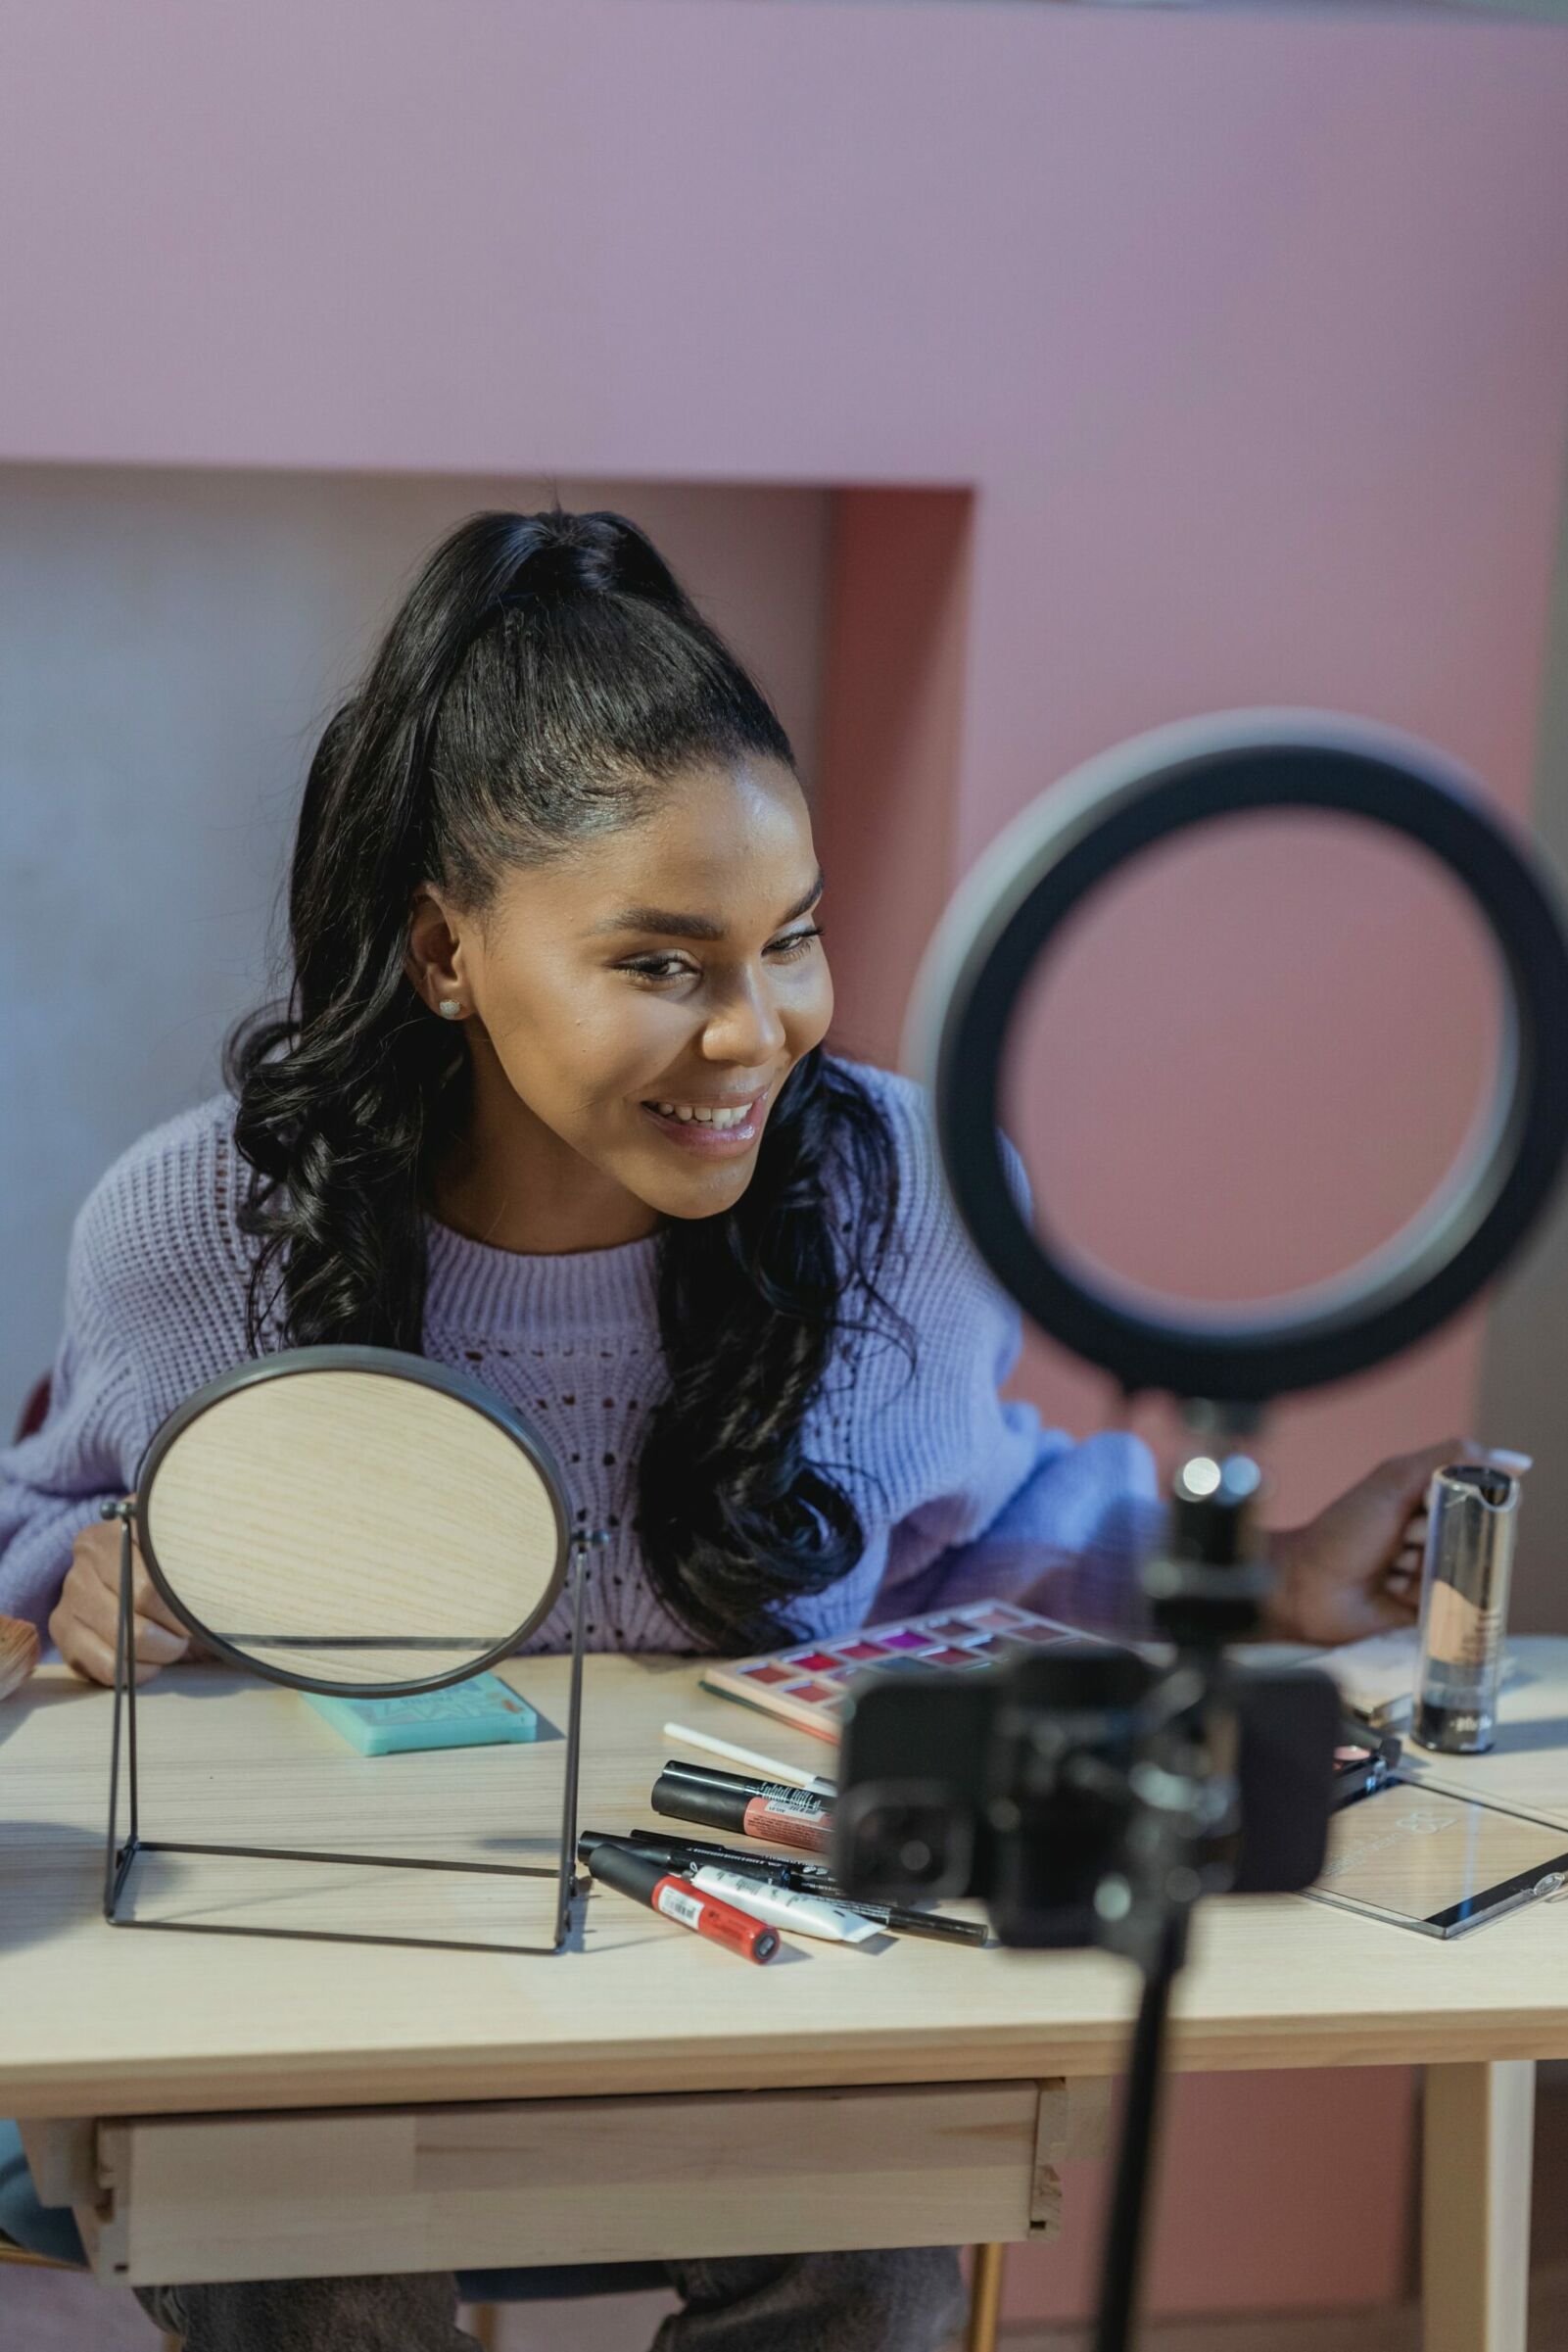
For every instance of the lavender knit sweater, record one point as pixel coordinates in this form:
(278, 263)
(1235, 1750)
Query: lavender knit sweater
(960, 1496)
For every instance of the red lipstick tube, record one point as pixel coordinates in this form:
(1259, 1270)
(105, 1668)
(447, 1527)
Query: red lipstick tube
(759, 1809)
(650, 1883)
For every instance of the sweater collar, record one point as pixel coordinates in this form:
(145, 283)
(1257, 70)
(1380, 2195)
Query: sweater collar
(481, 1289)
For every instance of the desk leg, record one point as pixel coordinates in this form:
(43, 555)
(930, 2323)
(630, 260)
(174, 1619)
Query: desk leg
(986, 2299)
(1475, 2206)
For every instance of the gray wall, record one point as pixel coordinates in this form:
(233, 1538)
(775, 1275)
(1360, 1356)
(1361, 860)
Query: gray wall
(170, 643)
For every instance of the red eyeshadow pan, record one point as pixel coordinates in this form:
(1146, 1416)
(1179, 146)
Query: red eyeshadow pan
(768, 1675)
(949, 1658)
(815, 1662)
(863, 1649)
(813, 1692)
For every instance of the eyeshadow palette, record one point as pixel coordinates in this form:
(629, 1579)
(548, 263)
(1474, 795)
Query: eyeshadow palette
(807, 1686)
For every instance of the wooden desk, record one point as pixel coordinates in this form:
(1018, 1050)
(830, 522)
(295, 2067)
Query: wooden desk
(221, 2106)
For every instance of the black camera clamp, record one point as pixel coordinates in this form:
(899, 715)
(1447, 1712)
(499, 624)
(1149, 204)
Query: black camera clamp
(1103, 1796)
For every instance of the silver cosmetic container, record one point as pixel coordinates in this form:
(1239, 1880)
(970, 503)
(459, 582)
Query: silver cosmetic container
(1473, 1518)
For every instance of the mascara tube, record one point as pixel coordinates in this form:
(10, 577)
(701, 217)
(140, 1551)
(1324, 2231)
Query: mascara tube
(1473, 1518)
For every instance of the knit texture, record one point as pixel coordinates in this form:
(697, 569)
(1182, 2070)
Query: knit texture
(960, 1495)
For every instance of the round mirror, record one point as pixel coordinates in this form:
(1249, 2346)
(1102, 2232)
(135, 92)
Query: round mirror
(352, 1519)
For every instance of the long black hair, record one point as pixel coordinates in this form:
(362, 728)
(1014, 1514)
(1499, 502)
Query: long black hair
(544, 676)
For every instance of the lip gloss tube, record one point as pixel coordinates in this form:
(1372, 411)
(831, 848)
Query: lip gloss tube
(757, 1808)
(678, 1898)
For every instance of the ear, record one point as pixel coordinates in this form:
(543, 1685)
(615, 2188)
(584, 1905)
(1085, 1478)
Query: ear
(436, 960)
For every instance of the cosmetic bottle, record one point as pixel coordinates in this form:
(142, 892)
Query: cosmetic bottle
(1473, 1516)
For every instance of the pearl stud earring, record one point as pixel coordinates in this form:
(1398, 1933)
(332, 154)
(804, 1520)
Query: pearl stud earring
(450, 1009)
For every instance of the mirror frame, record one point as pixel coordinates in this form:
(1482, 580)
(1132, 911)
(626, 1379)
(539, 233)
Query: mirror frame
(389, 1363)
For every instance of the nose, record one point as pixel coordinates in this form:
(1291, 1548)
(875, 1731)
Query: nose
(745, 1025)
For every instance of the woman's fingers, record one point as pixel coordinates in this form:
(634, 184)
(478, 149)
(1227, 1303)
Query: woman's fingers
(101, 1546)
(150, 1640)
(85, 1624)
(86, 1652)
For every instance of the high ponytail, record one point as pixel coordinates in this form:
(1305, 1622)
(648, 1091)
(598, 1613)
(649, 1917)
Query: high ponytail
(543, 677)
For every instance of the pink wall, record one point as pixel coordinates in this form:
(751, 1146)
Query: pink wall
(1275, 2191)
(1248, 334)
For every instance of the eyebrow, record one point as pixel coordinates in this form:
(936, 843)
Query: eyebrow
(666, 922)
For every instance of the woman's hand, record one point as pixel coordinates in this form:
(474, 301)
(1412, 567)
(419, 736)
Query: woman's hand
(1355, 1569)
(85, 1623)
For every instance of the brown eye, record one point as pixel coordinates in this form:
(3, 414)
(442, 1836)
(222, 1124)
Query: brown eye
(657, 967)
(790, 950)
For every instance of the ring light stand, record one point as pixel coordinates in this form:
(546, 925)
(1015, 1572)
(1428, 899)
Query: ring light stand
(1206, 1585)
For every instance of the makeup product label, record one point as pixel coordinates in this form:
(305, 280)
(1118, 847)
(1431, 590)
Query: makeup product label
(808, 1825)
(676, 1903)
(787, 1906)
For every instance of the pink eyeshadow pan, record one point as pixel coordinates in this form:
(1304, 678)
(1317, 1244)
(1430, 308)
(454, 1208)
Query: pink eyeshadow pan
(908, 1641)
(863, 1649)
(949, 1658)
(813, 1692)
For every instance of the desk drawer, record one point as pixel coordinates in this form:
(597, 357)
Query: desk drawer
(552, 2180)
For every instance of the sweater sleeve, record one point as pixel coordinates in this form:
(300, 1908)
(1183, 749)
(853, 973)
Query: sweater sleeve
(53, 1483)
(993, 1504)
(1055, 1525)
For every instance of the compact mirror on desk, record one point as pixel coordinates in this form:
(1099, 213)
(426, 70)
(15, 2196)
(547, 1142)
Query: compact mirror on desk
(356, 1522)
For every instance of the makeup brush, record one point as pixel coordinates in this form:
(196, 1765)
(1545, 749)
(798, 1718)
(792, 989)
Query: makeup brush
(18, 1654)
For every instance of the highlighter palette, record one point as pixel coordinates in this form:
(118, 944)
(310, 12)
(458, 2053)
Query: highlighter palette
(806, 1686)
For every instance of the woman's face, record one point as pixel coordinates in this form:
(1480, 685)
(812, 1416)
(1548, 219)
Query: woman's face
(635, 1006)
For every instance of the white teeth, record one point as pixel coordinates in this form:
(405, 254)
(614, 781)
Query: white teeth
(705, 1116)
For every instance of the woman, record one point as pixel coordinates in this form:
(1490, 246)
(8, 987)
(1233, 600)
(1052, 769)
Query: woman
(550, 1102)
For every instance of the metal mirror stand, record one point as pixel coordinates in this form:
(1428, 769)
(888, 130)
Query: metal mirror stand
(121, 1855)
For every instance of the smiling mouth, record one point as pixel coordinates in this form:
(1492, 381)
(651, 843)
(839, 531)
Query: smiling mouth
(711, 1128)
(715, 1114)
